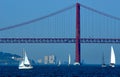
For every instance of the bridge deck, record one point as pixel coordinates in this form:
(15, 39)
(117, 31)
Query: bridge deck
(58, 40)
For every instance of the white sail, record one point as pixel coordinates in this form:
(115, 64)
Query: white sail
(26, 61)
(112, 60)
(69, 59)
(59, 63)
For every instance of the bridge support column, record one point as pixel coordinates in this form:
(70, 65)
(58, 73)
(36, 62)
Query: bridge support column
(77, 54)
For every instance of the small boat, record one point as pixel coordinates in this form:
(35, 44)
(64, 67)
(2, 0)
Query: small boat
(112, 57)
(76, 63)
(103, 65)
(25, 64)
(103, 61)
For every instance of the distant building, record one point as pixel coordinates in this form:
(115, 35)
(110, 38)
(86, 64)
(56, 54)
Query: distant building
(52, 59)
(17, 59)
(46, 59)
(39, 61)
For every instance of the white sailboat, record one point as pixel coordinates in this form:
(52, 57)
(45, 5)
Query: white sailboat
(59, 63)
(25, 64)
(69, 59)
(112, 58)
(103, 61)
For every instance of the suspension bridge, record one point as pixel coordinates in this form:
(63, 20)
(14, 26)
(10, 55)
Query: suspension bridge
(84, 32)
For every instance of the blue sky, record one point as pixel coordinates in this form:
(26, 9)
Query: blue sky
(14, 12)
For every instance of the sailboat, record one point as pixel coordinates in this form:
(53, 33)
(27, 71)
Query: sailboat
(69, 59)
(112, 58)
(59, 63)
(103, 61)
(25, 64)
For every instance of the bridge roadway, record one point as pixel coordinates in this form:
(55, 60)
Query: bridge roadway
(59, 40)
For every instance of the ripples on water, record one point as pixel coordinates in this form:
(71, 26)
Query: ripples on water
(61, 71)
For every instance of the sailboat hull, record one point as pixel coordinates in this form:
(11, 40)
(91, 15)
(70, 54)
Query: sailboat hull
(112, 65)
(24, 67)
(103, 65)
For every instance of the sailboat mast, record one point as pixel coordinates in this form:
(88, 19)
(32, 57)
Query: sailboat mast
(103, 58)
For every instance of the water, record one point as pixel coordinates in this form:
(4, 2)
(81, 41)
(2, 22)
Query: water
(61, 71)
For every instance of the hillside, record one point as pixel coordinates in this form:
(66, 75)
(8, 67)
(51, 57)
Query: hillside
(9, 59)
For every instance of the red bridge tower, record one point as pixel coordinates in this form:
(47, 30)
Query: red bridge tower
(78, 46)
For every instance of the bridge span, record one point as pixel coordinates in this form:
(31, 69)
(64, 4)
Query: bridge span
(59, 40)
